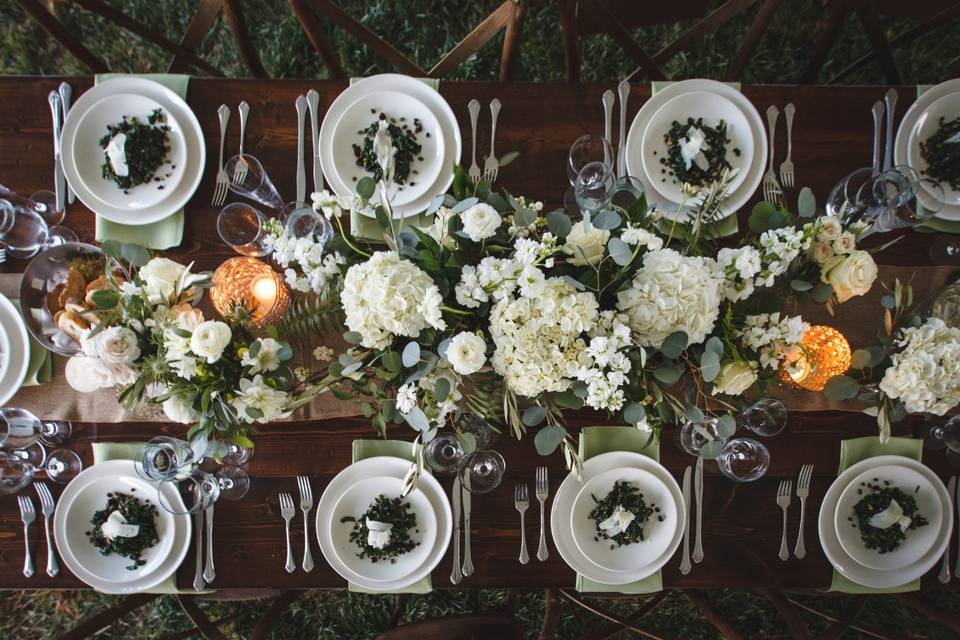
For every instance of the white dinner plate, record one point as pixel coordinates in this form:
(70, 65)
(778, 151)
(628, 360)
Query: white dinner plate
(416, 89)
(853, 570)
(192, 137)
(657, 534)
(907, 127)
(394, 105)
(5, 362)
(563, 503)
(355, 501)
(16, 356)
(181, 531)
(918, 541)
(759, 134)
(397, 468)
(947, 107)
(88, 155)
(695, 104)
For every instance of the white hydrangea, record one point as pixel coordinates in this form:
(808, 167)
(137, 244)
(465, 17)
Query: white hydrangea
(774, 337)
(387, 296)
(925, 374)
(670, 293)
(636, 235)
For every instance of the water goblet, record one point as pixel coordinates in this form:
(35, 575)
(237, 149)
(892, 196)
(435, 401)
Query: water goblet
(198, 489)
(15, 473)
(743, 460)
(946, 435)
(484, 469)
(242, 227)
(21, 434)
(592, 187)
(256, 184)
(163, 458)
(766, 417)
(586, 149)
(24, 233)
(443, 454)
(702, 438)
(480, 429)
(235, 454)
(44, 203)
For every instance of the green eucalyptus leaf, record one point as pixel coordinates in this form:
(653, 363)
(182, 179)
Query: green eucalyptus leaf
(822, 292)
(366, 187)
(711, 450)
(468, 442)
(806, 203)
(136, 255)
(496, 201)
(112, 249)
(620, 251)
(674, 344)
(417, 419)
(607, 220)
(709, 366)
(105, 298)
(548, 439)
(411, 355)
(667, 375)
(693, 413)
(524, 217)
(442, 389)
(559, 223)
(391, 360)
(860, 359)
(634, 413)
(352, 337)
(534, 415)
(841, 388)
(465, 204)
(508, 157)
(726, 426)
(715, 345)
(801, 285)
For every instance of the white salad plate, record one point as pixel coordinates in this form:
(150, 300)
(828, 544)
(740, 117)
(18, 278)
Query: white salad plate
(853, 570)
(395, 468)
(394, 105)
(354, 502)
(657, 534)
(947, 107)
(88, 155)
(192, 139)
(907, 128)
(563, 504)
(918, 541)
(16, 353)
(414, 88)
(121, 472)
(694, 104)
(757, 162)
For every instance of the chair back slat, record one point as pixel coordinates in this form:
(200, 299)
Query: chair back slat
(56, 29)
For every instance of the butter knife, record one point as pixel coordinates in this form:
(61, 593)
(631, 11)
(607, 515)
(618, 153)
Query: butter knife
(685, 560)
(313, 101)
(65, 96)
(698, 493)
(198, 583)
(209, 574)
(467, 558)
(608, 99)
(301, 169)
(944, 575)
(624, 90)
(456, 576)
(59, 182)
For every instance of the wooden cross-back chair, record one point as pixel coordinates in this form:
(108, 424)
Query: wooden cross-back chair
(184, 52)
(930, 14)
(507, 17)
(617, 18)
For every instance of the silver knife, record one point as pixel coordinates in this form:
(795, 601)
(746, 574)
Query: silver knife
(209, 574)
(624, 90)
(698, 493)
(65, 97)
(944, 575)
(467, 558)
(301, 170)
(313, 101)
(608, 100)
(685, 560)
(891, 102)
(59, 182)
(456, 576)
(198, 583)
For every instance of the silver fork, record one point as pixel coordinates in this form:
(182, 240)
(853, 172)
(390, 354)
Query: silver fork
(287, 511)
(47, 506)
(521, 500)
(783, 501)
(27, 515)
(306, 503)
(771, 189)
(803, 490)
(220, 190)
(474, 108)
(240, 171)
(543, 491)
(786, 167)
(491, 166)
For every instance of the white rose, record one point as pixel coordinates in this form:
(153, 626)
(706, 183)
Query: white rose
(480, 222)
(466, 353)
(88, 373)
(160, 277)
(735, 377)
(179, 408)
(829, 228)
(586, 244)
(114, 345)
(210, 339)
(850, 275)
(845, 243)
(820, 252)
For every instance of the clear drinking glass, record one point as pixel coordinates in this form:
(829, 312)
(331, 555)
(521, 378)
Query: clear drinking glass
(15, 474)
(481, 430)
(702, 437)
(587, 149)
(484, 469)
(236, 455)
(304, 221)
(24, 233)
(21, 433)
(766, 417)
(593, 186)
(44, 204)
(198, 490)
(744, 460)
(625, 192)
(242, 227)
(164, 457)
(443, 454)
(256, 185)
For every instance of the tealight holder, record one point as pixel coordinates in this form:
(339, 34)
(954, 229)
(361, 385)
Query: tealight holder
(253, 285)
(824, 353)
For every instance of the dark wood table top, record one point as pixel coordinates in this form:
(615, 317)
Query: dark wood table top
(832, 135)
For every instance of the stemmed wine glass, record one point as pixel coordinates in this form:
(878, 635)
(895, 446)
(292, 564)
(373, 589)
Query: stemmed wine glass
(443, 454)
(42, 202)
(592, 187)
(703, 438)
(482, 471)
(163, 458)
(586, 149)
(200, 489)
(743, 460)
(21, 434)
(25, 233)
(766, 417)
(946, 435)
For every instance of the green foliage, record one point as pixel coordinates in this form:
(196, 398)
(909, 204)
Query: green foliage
(310, 316)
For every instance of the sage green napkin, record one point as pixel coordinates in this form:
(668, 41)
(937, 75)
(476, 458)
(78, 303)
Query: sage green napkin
(853, 451)
(397, 449)
(161, 234)
(934, 225)
(366, 228)
(728, 226)
(593, 442)
(40, 368)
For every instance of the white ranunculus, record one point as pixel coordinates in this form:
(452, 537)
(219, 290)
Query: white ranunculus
(267, 357)
(160, 277)
(209, 339)
(585, 244)
(115, 345)
(480, 222)
(925, 374)
(850, 275)
(179, 408)
(89, 373)
(735, 377)
(466, 353)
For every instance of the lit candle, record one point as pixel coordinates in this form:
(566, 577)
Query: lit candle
(824, 353)
(254, 285)
(264, 292)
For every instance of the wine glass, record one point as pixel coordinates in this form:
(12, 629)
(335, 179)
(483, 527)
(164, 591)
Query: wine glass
(625, 191)
(256, 184)
(21, 434)
(586, 149)
(242, 227)
(24, 233)
(592, 187)
(200, 489)
(164, 458)
(743, 460)
(304, 221)
(947, 435)
(15, 473)
(481, 430)
(236, 454)
(766, 417)
(482, 471)
(44, 203)
(702, 438)
(443, 454)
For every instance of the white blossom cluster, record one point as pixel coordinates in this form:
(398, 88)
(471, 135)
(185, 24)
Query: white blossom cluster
(421, 394)
(608, 365)
(316, 270)
(493, 278)
(925, 374)
(773, 336)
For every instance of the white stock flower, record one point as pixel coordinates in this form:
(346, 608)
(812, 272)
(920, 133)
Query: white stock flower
(267, 356)
(773, 337)
(89, 373)
(179, 408)
(209, 339)
(480, 221)
(735, 377)
(406, 398)
(636, 235)
(466, 353)
(114, 345)
(739, 266)
(925, 375)
(850, 275)
(585, 244)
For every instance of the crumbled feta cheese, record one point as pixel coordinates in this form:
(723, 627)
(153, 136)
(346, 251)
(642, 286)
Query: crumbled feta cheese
(378, 535)
(116, 527)
(618, 522)
(692, 148)
(890, 516)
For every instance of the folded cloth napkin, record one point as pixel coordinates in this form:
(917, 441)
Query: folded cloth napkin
(593, 442)
(161, 234)
(40, 369)
(853, 451)
(397, 449)
(366, 228)
(934, 225)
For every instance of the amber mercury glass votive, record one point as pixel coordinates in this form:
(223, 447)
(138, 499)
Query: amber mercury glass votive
(824, 353)
(253, 285)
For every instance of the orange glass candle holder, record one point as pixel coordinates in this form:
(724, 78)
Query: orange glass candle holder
(824, 353)
(253, 285)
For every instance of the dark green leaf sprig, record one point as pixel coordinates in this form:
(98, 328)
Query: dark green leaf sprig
(392, 511)
(877, 496)
(942, 152)
(630, 498)
(716, 141)
(146, 148)
(404, 137)
(134, 511)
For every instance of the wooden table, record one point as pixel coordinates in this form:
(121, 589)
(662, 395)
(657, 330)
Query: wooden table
(832, 135)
